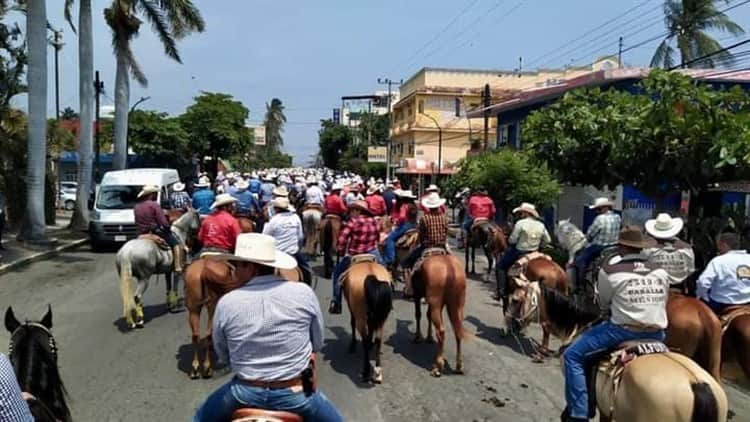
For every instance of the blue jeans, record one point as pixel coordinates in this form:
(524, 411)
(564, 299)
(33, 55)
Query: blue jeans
(510, 257)
(466, 225)
(342, 266)
(235, 395)
(389, 251)
(598, 339)
(587, 255)
(717, 307)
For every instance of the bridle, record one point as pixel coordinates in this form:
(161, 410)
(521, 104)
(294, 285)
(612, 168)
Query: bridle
(51, 339)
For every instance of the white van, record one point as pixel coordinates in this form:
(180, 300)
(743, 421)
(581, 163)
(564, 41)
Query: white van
(112, 218)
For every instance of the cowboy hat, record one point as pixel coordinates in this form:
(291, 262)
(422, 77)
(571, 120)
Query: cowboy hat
(242, 185)
(203, 182)
(433, 200)
(432, 188)
(148, 190)
(664, 226)
(372, 189)
(178, 187)
(337, 186)
(311, 180)
(280, 191)
(354, 187)
(362, 205)
(223, 199)
(260, 249)
(633, 237)
(404, 193)
(526, 207)
(601, 202)
(281, 202)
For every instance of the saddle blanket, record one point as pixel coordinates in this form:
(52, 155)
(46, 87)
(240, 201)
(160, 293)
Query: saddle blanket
(731, 313)
(518, 269)
(429, 252)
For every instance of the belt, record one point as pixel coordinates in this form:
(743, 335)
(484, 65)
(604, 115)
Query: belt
(641, 328)
(272, 385)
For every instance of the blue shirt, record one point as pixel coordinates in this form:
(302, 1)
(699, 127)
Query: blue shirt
(389, 197)
(266, 192)
(202, 200)
(254, 186)
(13, 407)
(268, 329)
(605, 230)
(245, 202)
(726, 279)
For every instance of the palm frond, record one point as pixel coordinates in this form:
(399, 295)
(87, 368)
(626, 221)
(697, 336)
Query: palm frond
(705, 45)
(721, 22)
(159, 22)
(124, 28)
(183, 16)
(69, 15)
(663, 56)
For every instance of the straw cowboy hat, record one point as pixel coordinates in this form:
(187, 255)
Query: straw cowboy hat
(281, 202)
(280, 191)
(634, 238)
(601, 202)
(404, 193)
(372, 189)
(432, 188)
(664, 226)
(203, 182)
(242, 185)
(362, 205)
(337, 186)
(259, 249)
(223, 199)
(433, 200)
(178, 187)
(311, 180)
(526, 207)
(148, 190)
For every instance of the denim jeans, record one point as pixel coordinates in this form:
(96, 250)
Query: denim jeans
(510, 256)
(389, 251)
(717, 307)
(303, 263)
(342, 266)
(467, 223)
(235, 395)
(587, 255)
(598, 339)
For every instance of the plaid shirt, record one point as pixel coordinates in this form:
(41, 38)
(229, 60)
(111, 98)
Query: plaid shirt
(13, 408)
(605, 230)
(362, 235)
(180, 200)
(433, 229)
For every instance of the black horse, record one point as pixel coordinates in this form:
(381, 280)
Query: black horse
(33, 353)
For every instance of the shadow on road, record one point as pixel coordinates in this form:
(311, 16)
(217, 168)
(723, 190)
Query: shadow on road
(495, 336)
(402, 342)
(335, 352)
(150, 312)
(184, 357)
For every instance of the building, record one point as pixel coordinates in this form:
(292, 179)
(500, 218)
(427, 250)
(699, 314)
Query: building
(435, 101)
(353, 107)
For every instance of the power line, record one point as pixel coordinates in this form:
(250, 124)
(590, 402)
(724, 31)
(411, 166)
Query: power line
(709, 55)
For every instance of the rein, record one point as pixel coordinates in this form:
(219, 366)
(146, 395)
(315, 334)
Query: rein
(52, 343)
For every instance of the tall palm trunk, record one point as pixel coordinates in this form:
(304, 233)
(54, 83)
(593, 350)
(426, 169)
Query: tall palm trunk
(80, 220)
(36, 28)
(122, 104)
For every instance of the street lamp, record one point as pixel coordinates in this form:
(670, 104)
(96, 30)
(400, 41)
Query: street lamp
(132, 109)
(440, 141)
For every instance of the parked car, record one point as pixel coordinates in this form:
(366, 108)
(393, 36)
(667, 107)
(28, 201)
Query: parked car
(67, 199)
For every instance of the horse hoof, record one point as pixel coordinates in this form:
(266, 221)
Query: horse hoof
(194, 374)
(537, 358)
(377, 375)
(418, 339)
(139, 324)
(430, 340)
(459, 369)
(436, 373)
(207, 373)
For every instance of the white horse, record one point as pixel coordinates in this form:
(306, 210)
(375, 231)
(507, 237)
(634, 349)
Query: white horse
(311, 221)
(139, 259)
(571, 238)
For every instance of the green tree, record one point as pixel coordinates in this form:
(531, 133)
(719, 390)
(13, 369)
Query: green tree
(68, 114)
(374, 128)
(333, 141)
(172, 21)
(688, 24)
(215, 124)
(274, 122)
(157, 136)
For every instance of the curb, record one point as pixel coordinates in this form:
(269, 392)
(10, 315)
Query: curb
(40, 256)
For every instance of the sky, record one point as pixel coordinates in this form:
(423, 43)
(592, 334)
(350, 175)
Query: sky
(310, 53)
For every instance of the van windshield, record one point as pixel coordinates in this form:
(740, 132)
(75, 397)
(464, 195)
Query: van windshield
(117, 197)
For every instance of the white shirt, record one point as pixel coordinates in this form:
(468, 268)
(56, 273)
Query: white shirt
(314, 195)
(286, 228)
(351, 197)
(529, 234)
(726, 279)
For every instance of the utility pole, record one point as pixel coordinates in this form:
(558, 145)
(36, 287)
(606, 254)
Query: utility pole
(486, 104)
(98, 88)
(57, 43)
(390, 83)
(619, 54)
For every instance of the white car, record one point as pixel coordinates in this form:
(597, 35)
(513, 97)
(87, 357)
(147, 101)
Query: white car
(67, 199)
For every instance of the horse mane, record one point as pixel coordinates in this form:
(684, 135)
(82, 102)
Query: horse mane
(38, 374)
(564, 314)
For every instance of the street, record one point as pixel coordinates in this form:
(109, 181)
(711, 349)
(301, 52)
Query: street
(113, 375)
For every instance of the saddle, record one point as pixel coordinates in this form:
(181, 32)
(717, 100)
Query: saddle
(363, 257)
(731, 313)
(260, 415)
(332, 216)
(484, 224)
(408, 239)
(315, 207)
(428, 253)
(518, 269)
(161, 243)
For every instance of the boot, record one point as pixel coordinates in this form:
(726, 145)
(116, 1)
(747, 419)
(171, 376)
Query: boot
(178, 256)
(565, 417)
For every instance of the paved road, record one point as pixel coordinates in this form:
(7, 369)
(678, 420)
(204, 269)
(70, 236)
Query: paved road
(113, 375)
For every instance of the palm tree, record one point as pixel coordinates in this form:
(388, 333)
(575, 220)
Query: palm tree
(172, 21)
(688, 23)
(36, 77)
(80, 220)
(274, 122)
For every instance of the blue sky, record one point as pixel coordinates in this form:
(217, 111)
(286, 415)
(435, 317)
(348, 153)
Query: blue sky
(310, 53)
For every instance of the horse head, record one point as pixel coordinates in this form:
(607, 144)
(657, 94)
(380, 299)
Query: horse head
(523, 306)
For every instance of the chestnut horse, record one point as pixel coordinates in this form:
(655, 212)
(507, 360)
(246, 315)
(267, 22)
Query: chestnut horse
(736, 339)
(695, 331)
(330, 227)
(246, 224)
(486, 235)
(441, 280)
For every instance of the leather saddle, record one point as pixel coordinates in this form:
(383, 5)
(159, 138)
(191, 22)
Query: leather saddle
(260, 415)
(332, 217)
(731, 313)
(310, 207)
(408, 239)
(518, 269)
(483, 223)
(429, 252)
(364, 257)
(161, 243)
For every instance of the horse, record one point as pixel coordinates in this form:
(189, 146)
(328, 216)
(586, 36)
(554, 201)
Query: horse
(141, 258)
(736, 336)
(483, 234)
(33, 354)
(206, 280)
(247, 225)
(366, 285)
(625, 389)
(441, 280)
(330, 228)
(311, 216)
(695, 331)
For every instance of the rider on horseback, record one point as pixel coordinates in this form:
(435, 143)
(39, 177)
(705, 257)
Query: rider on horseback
(602, 234)
(635, 294)
(375, 201)
(406, 219)
(726, 280)
(358, 236)
(219, 231)
(313, 194)
(150, 219)
(203, 196)
(480, 206)
(427, 192)
(246, 205)
(179, 199)
(433, 232)
(333, 203)
(286, 227)
(670, 253)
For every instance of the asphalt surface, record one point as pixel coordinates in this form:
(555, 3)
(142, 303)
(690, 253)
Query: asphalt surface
(114, 375)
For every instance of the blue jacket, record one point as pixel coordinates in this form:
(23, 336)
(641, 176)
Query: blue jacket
(202, 200)
(254, 186)
(389, 197)
(245, 202)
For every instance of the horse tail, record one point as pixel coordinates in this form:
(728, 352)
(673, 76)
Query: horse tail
(379, 299)
(327, 235)
(705, 406)
(125, 270)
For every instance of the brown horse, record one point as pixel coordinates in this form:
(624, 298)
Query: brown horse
(311, 218)
(246, 224)
(441, 280)
(736, 338)
(695, 332)
(330, 227)
(366, 285)
(484, 234)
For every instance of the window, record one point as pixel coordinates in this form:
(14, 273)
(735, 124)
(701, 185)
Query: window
(112, 197)
(411, 148)
(420, 107)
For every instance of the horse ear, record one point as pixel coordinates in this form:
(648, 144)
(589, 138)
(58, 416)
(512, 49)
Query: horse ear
(11, 323)
(47, 319)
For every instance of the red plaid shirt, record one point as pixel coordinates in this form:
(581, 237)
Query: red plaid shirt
(361, 234)
(433, 229)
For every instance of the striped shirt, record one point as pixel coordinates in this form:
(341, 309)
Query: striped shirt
(268, 329)
(433, 229)
(605, 230)
(13, 407)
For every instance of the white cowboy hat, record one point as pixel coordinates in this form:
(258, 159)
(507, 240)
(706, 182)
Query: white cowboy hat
(242, 185)
(354, 187)
(432, 188)
(223, 199)
(178, 187)
(281, 202)
(433, 200)
(148, 190)
(664, 226)
(526, 207)
(601, 202)
(280, 191)
(203, 182)
(404, 193)
(337, 186)
(311, 180)
(372, 189)
(260, 249)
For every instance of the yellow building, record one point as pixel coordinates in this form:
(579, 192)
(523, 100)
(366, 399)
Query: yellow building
(436, 96)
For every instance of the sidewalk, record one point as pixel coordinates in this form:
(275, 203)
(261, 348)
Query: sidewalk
(17, 254)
